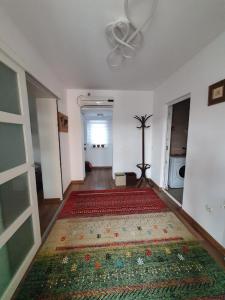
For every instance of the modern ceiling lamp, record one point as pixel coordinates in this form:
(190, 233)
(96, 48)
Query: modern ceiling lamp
(125, 37)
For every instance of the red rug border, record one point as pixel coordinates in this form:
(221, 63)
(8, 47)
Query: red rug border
(113, 190)
(117, 190)
(120, 244)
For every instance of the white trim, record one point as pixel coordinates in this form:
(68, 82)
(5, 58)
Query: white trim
(27, 167)
(34, 206)
(171, 197)
(165, 166)
(26, 127)
(15, 281)
(11, 230)
(9, 62)
(167, 146)
(14, 172)
(13, 57)
(11, 118)
(180, 99)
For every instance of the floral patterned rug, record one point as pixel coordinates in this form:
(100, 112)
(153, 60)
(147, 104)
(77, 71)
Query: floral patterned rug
(137, 256)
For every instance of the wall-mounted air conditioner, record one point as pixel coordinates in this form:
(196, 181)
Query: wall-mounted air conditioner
(94, 101)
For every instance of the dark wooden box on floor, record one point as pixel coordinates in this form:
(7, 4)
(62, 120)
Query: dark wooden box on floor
(131, 178)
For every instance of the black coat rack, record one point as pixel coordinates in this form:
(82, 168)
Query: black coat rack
(143, 166)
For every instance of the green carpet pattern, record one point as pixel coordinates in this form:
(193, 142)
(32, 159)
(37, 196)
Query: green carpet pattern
(148, 255)
(175, 270)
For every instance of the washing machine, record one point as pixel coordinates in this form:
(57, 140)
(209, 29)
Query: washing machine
(176, 171)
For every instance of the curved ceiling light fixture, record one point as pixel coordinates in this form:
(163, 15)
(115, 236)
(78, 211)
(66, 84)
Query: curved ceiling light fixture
(125, 37)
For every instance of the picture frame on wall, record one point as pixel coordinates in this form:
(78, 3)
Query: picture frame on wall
(216, 93)
(62, 122)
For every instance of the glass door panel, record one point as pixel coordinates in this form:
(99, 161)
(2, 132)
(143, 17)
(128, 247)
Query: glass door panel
(12, 150)
(14, 199)
(9, 95)
(19, 219)
(13, 253)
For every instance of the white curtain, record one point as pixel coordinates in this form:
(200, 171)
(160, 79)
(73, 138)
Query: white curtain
(99, 132)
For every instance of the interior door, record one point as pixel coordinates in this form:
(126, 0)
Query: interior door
(19, 220)
(167, 149)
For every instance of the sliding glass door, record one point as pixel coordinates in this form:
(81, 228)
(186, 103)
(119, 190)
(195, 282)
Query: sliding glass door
(19, 220)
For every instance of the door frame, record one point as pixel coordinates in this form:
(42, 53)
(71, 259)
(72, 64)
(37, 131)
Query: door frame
(82, 108)
(167, 147)
(49, 96)
(169, 111)
(27, 167)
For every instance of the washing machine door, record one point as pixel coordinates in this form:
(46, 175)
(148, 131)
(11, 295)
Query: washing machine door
(182, 171)
(176, 172)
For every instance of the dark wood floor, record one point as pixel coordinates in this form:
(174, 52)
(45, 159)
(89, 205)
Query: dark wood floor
(97, 179)
(47, 211)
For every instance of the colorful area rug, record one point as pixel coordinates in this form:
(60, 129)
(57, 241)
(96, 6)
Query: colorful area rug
(134, 256)
(111, 202)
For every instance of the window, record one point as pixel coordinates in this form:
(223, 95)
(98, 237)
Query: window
(98, 132)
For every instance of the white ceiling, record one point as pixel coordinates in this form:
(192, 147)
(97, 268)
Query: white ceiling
(70, 37)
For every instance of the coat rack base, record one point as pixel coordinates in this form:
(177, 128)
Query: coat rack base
(143, 179)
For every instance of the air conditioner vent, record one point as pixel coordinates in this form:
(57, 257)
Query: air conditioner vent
(94, 101)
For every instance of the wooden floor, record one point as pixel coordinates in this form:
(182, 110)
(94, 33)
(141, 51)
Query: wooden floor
(102, 179)
(47, 210)
(97, 179)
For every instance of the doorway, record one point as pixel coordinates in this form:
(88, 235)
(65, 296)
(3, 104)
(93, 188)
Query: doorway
(45, 142)
(98, 141)
(176, 148)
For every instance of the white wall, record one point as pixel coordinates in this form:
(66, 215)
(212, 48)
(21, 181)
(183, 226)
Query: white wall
(126, 138)
(99, 157)
(49, 146)
(76, 142)
(15, 44)
(205, 162)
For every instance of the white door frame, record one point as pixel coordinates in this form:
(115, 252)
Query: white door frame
(168, 142)
(167, 147)
(27, 167)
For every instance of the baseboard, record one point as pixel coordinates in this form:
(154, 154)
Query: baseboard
(67, 190)
(203, 232)
(105, 167)
(73, 182)
(50, 225)
(50, 200)
(77, 181)
(155, 186)
(194, 224)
